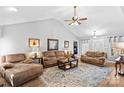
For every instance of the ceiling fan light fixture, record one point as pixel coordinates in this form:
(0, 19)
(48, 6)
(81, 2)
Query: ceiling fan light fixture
(75, 19)
(74, 23)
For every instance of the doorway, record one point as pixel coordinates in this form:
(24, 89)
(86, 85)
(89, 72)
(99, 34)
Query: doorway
(75, 47)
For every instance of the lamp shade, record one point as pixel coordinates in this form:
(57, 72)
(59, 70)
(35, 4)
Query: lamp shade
(35, 49)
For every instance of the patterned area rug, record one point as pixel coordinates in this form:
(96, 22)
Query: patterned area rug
(85, 75)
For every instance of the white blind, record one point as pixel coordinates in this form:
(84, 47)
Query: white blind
(0, 31)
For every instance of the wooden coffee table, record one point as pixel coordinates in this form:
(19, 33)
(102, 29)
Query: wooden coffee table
(66, 64)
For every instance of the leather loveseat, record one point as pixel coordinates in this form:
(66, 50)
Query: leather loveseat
(96, 58)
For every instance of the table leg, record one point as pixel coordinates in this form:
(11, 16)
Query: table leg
(64, 66)
(120, 67)
(77, 63)
(116, 69)
(39, 61)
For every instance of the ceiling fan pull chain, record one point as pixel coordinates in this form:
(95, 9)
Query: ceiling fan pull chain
(74, 11)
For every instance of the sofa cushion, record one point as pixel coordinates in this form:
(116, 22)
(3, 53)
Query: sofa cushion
(2, 59)
(90, 59)
(49, 54)
(49, 58)
(60, 54)
(50, 62)
(61, 58)
(99, 54)
(15, 58)
(90, 54)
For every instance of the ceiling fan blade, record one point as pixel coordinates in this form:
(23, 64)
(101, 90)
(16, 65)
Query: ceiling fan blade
(82, 19)
(79, 22)
(70, 23)
(67, 20)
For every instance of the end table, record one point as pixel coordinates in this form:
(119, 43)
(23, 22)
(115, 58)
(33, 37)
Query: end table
(40, 59)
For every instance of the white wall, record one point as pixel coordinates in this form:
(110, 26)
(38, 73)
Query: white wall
(15, 37)
(0, 31)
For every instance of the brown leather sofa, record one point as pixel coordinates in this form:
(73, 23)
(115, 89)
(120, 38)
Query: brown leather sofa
(20, 69)
(96, 58)
(50, 58)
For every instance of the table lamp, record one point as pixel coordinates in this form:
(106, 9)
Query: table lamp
(35, 51)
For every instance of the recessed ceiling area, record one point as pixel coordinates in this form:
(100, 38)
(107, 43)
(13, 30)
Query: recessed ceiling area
(105, 20)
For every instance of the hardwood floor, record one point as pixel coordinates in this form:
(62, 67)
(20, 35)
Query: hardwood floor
(111, 80)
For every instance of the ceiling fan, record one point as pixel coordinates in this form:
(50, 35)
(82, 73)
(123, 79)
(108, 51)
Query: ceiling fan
(75, 20)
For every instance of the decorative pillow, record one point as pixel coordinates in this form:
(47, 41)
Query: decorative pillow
(7, 65)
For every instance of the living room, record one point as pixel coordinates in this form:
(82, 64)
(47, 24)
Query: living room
(61, 46)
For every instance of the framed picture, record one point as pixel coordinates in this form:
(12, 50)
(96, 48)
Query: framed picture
(52, 44)
(66, 44)
(34, 42)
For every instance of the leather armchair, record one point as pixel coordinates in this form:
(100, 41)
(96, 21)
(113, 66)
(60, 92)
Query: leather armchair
(49, 58)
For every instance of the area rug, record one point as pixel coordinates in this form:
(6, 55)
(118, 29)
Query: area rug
(85, 75)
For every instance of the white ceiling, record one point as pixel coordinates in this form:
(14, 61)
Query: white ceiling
(106, 20)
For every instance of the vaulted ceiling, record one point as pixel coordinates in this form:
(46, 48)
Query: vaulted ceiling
(106, 20)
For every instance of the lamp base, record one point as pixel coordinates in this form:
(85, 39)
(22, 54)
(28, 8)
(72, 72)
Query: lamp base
(35, 55)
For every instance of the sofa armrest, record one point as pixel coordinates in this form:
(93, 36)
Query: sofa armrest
(45, 59)
(28, 61)
(83, 56)
(102, 59)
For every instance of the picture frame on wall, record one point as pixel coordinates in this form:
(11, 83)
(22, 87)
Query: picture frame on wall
(52, 44)
(66, 44)
(33, 42)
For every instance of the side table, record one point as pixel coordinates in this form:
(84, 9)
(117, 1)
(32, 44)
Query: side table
(40, 60)
(116, 67)
(119, 62)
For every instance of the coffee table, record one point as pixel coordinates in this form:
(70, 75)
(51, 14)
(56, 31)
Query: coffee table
(66, 64)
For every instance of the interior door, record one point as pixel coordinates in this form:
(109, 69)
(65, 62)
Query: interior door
(75, 49)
